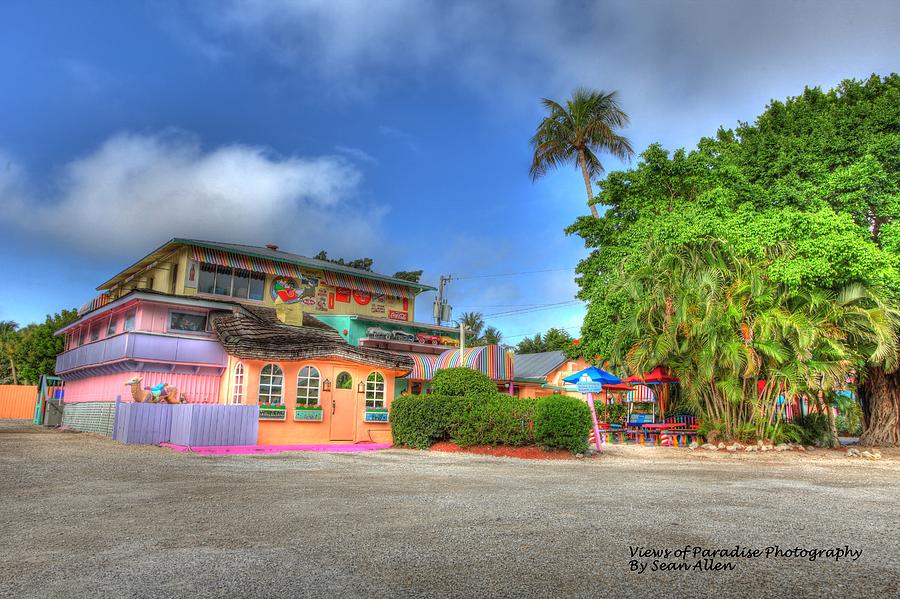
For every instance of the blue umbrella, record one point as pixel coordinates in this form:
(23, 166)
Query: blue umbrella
(595, 374)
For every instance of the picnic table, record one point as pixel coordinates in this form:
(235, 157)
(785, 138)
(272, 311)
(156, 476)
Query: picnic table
(676, 433)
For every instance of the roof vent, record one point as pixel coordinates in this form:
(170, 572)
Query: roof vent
(272, 246)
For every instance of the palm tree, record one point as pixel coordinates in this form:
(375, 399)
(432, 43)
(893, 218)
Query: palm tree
(8, 337)
(492, 336)
(585, 126)
(473, 323)
(737, 340)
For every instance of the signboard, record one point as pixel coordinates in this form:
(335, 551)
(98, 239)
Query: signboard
(586, 387)
(395, 315)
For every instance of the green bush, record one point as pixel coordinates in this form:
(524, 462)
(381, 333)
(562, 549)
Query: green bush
(814, 429)
(849, 421)
(457, 382)
(562, 422)
(611, 413)
(419, 421)
(502, 420)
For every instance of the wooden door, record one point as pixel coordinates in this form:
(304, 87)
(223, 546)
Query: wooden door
(343, 414)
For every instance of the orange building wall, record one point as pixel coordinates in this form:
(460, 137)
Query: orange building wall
(17, 401)
(290, 432)
(554, 379)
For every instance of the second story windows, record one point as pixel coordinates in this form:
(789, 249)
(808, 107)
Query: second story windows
(112, 326)
(129, 319)
(233, 282)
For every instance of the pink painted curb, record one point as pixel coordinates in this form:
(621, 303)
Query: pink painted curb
(255, 449)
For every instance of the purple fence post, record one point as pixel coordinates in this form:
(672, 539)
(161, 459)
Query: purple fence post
(115, 431)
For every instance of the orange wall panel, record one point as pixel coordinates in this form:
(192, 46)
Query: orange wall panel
(17, 401)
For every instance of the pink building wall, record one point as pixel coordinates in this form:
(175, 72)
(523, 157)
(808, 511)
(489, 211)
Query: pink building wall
(197, 388)
(149, 317)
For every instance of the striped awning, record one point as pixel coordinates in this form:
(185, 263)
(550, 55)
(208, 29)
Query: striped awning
(423, 366)
(222, 258)
(489, 359)
(340, 279)
(641, 394)
(98, 302)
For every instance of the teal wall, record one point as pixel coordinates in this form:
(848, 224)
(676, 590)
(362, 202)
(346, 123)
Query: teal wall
(356, 329)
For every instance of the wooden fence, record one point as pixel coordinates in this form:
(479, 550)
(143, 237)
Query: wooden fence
(195, 425)
(17, 401)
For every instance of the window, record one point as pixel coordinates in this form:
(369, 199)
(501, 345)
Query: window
(308, 386)
(270, 379)
(375, 390)
(207, 280)
(237, 388)
(95, 332)
(112, 326)
(344, 381)
(233, 282)
(129, 320)
(190, 322)
(81, 335)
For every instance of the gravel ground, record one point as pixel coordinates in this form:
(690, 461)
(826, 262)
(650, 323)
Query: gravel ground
(83, 516)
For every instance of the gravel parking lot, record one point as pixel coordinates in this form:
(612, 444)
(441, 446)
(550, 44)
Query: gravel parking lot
(81, 515)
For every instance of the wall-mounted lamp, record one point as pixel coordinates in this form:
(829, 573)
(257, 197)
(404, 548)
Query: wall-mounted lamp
(326, 385)
(361, 387)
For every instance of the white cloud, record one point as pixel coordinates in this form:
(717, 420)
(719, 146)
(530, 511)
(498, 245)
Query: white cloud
(135, 191)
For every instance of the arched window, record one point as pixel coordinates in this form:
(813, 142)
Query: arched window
(237, 389)
(375, 390)
(270, 389)
(308, 386)
(344, 381)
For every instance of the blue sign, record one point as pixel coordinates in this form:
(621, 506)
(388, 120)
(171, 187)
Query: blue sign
(586, 387)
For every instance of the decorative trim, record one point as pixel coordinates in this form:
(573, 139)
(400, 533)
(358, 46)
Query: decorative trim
(308, 414)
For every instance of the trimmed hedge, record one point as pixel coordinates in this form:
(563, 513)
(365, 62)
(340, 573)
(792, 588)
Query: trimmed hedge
(457, 382)
(562, 421)
(556, 421)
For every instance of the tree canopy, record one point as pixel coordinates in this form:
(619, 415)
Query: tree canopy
(553, 340)
(818, 173)
(37, 347)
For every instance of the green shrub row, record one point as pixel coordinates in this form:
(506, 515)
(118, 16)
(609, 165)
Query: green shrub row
(556, 421)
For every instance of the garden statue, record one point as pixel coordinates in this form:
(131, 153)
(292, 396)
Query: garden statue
(154, 394)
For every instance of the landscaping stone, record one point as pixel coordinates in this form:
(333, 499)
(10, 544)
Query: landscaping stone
(721, 445)
(782, 447)
(801, 448)
(866, 454)
(810, 448)
(694, 445)
(709, 446)
(852, 452)
(750, 448)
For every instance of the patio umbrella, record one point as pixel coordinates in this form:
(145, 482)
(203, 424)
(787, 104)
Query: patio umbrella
(594, 374)
(598, 376)
(657, 376)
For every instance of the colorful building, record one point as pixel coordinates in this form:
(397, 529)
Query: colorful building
(540, 374)
(322, 347)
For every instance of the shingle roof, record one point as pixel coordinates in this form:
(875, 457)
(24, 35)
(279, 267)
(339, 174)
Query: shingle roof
(255, 333)
(533, 366)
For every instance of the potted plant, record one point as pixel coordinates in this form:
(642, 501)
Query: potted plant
(308, 412)
(271, 411)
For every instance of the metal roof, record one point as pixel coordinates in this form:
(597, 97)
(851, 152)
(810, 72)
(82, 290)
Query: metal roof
(267, 253)
(530, 366)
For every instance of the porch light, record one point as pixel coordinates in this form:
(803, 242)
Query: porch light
(361, 387)
(326, 385)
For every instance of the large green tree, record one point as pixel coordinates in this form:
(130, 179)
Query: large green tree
(553, 340)
(38, 346)
(820, 171)
(9, 339)
(576, 132)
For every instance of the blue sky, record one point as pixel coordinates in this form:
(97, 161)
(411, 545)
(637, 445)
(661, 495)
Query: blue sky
(397, 130)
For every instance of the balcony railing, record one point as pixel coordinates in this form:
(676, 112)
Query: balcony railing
(143, 347)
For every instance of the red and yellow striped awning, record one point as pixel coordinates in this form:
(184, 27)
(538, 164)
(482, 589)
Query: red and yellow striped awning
(340, 279)
(489, 359)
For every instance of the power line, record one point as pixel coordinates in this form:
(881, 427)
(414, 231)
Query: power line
(529, 310)
(513, 274)
(541, 332)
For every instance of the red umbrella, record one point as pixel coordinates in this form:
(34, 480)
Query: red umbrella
(657, 375)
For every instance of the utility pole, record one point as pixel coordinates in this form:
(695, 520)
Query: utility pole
(439, 311)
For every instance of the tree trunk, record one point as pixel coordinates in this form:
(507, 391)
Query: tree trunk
(880, 398)
(12, 369)
(587, 184)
